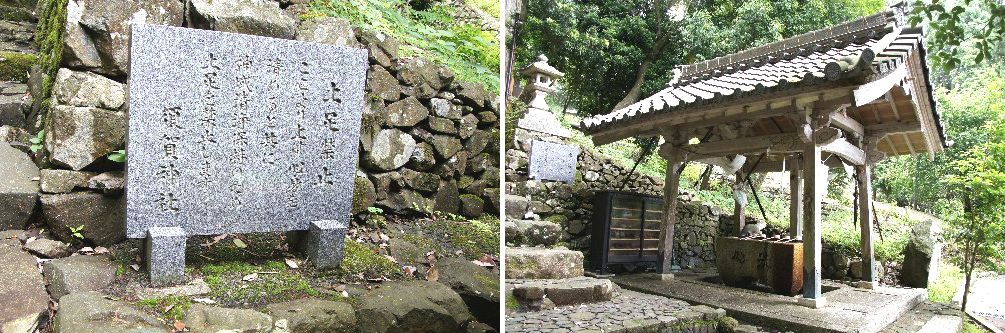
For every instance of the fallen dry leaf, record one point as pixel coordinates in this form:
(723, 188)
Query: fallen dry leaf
(391, 259)
(86, 249)
(101, 250)
(203, 300)
(409, 270)
(29, 240)
(345, 294)
(135, 267)
(384, 237)
(168, 308)
(485, 261)
(432, 275)
(292, 263)
(239, 243)
(250, 277)
(340, 287)
(179, 326)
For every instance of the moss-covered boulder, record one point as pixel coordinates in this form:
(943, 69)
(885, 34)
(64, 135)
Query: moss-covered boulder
(209, 319)
(405, 113)
(91, 312)
(472, 206)
(15, 66)
(412, 306)
(363, 195)
(260, 18)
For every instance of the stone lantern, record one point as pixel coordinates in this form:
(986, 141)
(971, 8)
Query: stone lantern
(540, 81)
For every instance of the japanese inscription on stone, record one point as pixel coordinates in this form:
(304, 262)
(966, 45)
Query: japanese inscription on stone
(553, 161)
(232, 133)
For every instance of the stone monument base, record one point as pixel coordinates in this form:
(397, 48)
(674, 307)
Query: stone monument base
(165, 253)
(322, 244)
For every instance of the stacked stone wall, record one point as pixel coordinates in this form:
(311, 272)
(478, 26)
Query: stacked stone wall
(571, 205)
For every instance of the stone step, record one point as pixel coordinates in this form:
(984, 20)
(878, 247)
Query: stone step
(533, 233)
(542, 263)
(927, 317)
(541, 294)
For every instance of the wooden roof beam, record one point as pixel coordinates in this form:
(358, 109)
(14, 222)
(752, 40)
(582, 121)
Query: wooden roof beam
(846, 151)
(843, 121)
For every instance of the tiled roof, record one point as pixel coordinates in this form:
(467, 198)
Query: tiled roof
(872, 44)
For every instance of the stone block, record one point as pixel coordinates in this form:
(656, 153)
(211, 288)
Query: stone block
(553, 161)
(18, 188)
(325, 241)
(540, 263)
(165, 253)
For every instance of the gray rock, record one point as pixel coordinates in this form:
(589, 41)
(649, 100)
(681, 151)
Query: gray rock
(417, 72)
(921, 255)
(97, 31)
(488, 117)
(405, 201)
(203, 318)
(565, 292)
(78, 274)
(472, 206)
(14, 136)
(314, 315)
(421, 181)
(88, 89)
(412, 306)
(405, 113)
(446, 146)
(516, 206)
(12, 109)
(447, 198)
(386, 183)
(164, 249)
(477, 286)
(533, 233)
(18, 188)
(383, 48)
(442, 125)
(444, 108)
(261, 18)
(102, 218)
(63, 181)
(380, 83)
(77, 136)
(20, 236)
(469, 123)
(474, 94)
(364, 194)
(48, 248)
(26, 304)
(476, 143)
(492, 193)
(111, 182)
(423, 157)
(540, 263)
(91, 312)
(328, 30)
(392, 148)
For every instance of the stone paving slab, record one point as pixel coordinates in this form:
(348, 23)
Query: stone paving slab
(918, 318)
(849, 309)
(627, 310)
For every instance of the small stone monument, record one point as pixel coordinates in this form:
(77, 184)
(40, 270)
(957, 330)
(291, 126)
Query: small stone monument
(232, 133)
(540, 81)
(553, 161)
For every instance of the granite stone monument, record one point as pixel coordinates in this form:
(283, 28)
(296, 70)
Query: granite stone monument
(553, 161)
(232, 133)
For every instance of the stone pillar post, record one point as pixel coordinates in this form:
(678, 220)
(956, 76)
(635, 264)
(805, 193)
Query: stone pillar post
(814, 186)
(795, 197)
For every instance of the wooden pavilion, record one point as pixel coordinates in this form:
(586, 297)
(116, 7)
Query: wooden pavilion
(850, 94)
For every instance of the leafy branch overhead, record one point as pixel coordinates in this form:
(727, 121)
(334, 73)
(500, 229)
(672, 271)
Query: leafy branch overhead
(953, 29)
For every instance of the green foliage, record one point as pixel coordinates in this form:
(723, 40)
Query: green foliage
(273, 282)
(118, 156)
(171, 307)
(474, 237)
(472, 53)
(958, 29)
(15, 66)
(375, 210)
(515, 109)
(946, 285)
(37, 141)
(599, 44)
(76, 232)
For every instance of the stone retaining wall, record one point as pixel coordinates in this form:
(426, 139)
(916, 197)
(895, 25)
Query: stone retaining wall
(571, 205)
(428, 142)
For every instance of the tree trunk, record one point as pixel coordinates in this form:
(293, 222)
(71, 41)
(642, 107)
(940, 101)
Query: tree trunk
(966, 285)
(706, 178)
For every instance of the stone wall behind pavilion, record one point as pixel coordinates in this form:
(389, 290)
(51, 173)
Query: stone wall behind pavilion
(571, 205)
(428, 142)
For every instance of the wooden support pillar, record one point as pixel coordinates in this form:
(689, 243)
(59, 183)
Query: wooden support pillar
(814, 187)
(739, 203)
(865, 223)
(795, 197)
(671, 188)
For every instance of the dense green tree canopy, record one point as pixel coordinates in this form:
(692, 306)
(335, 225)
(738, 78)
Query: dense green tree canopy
(600, 44)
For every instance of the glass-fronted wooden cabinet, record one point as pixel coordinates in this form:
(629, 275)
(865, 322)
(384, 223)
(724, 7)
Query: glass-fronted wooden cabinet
(626, 230)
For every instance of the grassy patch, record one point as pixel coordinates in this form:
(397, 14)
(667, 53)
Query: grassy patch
(474, 237)
(434, 34)
(363, 262)
(274, 282)
(511, 302)
(949, 281)
(171, 307)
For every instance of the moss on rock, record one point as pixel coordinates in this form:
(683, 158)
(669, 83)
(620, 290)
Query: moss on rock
(15, 66)
(361, 260)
